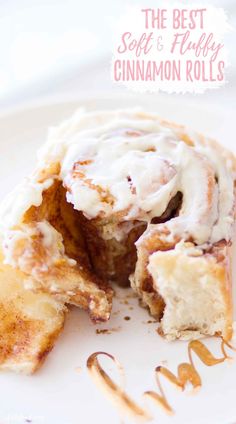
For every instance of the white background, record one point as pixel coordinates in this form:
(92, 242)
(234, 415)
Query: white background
(62, 48)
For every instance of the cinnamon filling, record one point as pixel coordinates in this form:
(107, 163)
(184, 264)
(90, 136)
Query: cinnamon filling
(105, 247)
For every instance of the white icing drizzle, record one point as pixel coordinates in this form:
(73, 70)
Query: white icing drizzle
(19, 248)
(27, 194)
(128, 163)
(141, 181)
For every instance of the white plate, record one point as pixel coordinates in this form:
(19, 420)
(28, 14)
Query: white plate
(62, 392)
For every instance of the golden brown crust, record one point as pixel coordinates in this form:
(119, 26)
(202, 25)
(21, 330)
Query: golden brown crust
(29, 322)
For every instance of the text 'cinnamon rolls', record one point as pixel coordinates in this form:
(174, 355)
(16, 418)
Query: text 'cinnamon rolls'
(118, 196)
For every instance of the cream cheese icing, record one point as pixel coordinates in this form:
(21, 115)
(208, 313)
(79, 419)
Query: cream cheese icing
(126, 162)
(142, 171)
(26, 194)
(19, 251)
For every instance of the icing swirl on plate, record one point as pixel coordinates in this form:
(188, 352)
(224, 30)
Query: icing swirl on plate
(187, 374)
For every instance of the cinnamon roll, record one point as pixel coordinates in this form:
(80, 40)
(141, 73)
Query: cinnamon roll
(123, 196)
